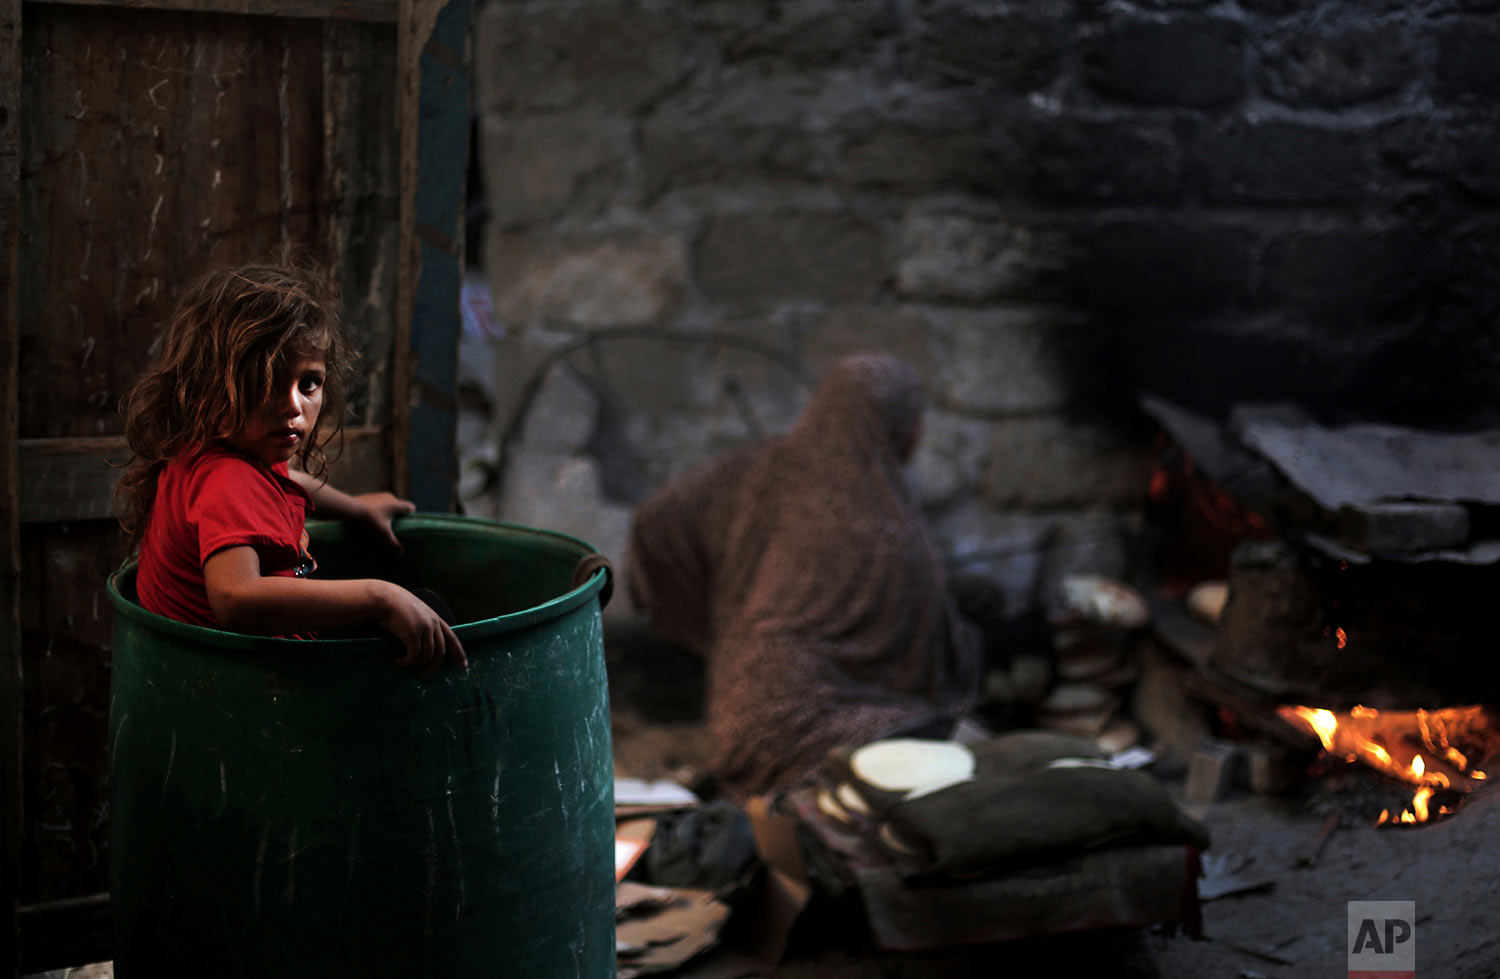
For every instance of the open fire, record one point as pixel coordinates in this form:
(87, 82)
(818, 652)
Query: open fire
(1439, 751)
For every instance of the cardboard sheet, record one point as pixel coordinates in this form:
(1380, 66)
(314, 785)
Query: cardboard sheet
(660, 929)
(632, 838)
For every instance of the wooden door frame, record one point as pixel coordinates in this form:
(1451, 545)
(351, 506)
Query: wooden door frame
(10, 525)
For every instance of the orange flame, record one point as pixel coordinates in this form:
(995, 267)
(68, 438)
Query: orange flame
(1394, 742)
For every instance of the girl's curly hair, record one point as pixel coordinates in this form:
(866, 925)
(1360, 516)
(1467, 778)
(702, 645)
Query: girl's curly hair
(232, 332)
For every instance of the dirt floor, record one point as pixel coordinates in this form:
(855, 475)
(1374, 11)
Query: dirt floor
(1298, 925)
(1291, 923)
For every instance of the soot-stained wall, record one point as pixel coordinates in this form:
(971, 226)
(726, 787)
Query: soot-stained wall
(1047, 207)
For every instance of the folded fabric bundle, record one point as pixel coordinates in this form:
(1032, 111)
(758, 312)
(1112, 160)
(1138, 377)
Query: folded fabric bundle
(1050, 814)
(1021, 752)
(1007, 756)
(709, 847)
(1023, 798)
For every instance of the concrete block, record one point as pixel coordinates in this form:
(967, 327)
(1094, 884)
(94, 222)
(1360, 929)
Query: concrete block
(1050, 462)
(558, 491)
(1192, 59)
(1335, 65)
(759, 259)
(1465, 66)
(561, 417)
(1460, 148)
(547, 58)
(955, 256)
(542, 167)
(684, 402)
(913, 157)
(615, 279)
(946, 466)
(683, 152)
(1282, 161)
(804, 33)
(1066, 158)
(1163, 266)
(751, 123)
(1404, 528)
(860, 327)
(1018, 50)
(1351, 272)
(1000, 360)
(1284, 8)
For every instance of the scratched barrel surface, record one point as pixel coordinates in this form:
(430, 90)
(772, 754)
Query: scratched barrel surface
(305, 808)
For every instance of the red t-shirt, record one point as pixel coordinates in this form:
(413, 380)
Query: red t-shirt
(205, 503)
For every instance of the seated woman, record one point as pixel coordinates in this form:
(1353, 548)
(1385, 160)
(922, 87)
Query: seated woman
(804, 573)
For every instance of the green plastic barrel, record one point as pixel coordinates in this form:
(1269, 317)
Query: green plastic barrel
(285, 808)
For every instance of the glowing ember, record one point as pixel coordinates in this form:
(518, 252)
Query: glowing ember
(1342, 636)
(1432, 750)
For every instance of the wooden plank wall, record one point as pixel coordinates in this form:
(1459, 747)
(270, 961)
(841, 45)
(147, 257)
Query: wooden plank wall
(356, 10)
(70, 479)
(155, 146)
(10, 553)
(141, 143)
(195, 142)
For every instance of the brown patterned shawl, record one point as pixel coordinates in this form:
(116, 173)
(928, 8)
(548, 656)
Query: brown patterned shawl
(802, 570)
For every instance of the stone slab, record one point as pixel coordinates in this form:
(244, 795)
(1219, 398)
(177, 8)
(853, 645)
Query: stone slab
(1368, 463)
(1404, 528)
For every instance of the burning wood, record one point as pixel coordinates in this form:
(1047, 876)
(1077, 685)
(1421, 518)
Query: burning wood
(1437, 751)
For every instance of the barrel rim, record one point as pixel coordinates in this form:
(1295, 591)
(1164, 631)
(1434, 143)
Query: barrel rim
(379, 645)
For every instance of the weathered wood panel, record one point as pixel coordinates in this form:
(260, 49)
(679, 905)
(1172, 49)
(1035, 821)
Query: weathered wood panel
(10, 584)
(370, 10)
(66, 621)
(153, 150)
(70, 479)
(156, 146)
(61, 934)
(363, 186)
(74, 479)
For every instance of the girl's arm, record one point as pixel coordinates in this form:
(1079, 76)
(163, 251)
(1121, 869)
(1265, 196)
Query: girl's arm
(244, 601)
(373, 510)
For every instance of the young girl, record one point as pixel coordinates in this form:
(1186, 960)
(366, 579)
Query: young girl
(250, 360)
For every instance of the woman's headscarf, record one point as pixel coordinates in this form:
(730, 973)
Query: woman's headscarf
(805, 573)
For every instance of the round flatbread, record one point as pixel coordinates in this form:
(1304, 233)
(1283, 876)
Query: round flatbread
(905, 764)
(830, 807)
(849, 797)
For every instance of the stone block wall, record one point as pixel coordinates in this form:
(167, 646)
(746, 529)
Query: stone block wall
(1048, 207)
